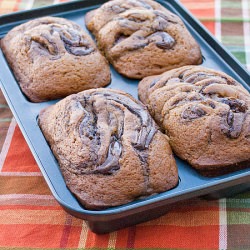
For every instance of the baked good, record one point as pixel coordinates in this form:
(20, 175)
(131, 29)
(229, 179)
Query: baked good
(206, 115)
(52, 57)
(97, 18)
(142, 38)
(109, 149)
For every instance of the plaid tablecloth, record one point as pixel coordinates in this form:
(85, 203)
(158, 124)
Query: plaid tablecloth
(30, 218)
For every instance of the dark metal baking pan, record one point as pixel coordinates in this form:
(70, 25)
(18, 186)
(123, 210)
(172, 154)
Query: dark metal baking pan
(191, 184)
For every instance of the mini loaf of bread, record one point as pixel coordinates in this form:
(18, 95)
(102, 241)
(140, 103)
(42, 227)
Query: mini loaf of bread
(206, 115)
(52, 57)
(142, 38)
(109, 149)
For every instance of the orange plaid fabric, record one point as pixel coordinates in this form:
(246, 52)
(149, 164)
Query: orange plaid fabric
(31, 218)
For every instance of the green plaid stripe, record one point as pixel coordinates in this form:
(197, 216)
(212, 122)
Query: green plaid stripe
(238, 221)
(235, 33)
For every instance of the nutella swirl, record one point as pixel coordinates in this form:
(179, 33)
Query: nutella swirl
(203, 111)
(210, 88)
(73, 41)
(144, 35)
(55, 39)
(113, 8)
(140, 28)
(54, 57)
(108, 147)
(94, 109)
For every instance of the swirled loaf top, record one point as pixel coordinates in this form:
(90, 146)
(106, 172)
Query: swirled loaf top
(109, 149)
(205, 113)
(142, 38)
(52, 57)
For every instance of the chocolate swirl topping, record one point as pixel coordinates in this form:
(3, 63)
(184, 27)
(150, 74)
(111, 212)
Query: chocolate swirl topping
(193, 112)
(120, 7)
(206, 115)
(162, 40)
(197, 78)
(109, 149)
(46, 39)
(200, 91)
(43, 45)
(73, 41)
(111, 107)
(111, 164)
(140, 28)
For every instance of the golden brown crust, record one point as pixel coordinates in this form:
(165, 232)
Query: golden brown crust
(206, 115)
(142, 38)
(52, 58)
(96, 19)
(109, 149)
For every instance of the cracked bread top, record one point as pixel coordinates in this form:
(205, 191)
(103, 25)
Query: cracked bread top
(142, 38)
(205, 113)
(109, 149)
(52, 57)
